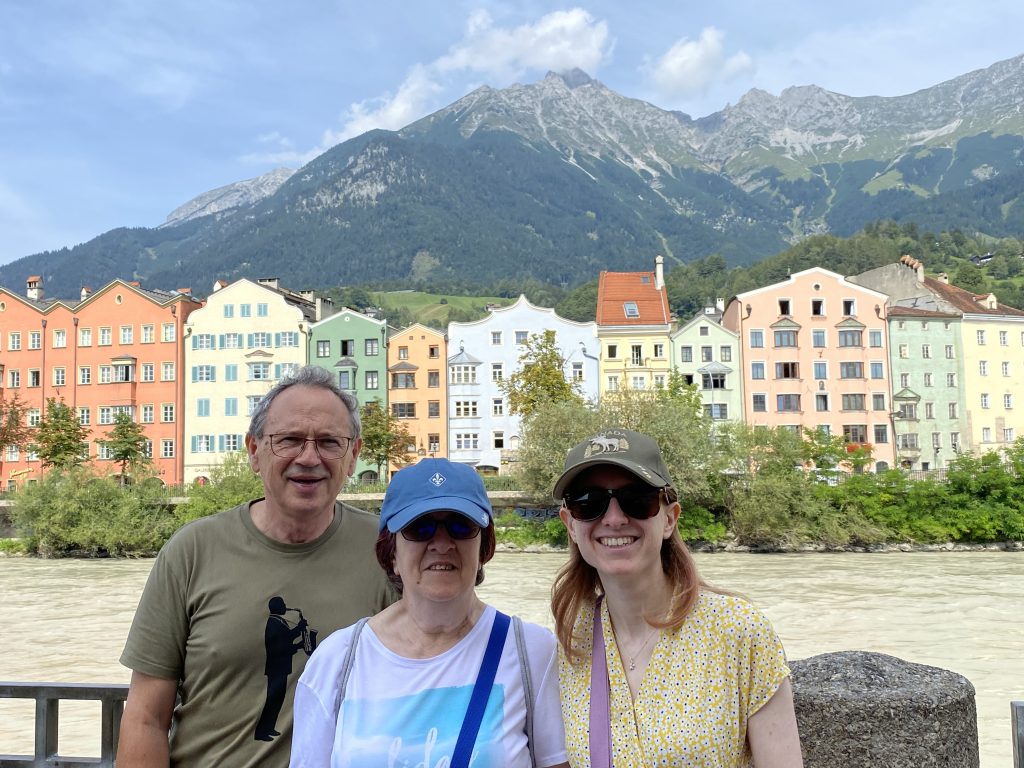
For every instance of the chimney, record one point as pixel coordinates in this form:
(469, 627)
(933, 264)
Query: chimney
(943, 278)
(720, 304)
(324, 307)
(659, 272)
(270, 282)
(218, 284)
(34, 288)
(86, 290)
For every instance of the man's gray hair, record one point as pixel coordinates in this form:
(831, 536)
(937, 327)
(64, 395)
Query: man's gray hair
(306, 376)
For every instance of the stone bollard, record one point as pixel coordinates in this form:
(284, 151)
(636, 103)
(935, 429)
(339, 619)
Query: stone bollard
(856, 709)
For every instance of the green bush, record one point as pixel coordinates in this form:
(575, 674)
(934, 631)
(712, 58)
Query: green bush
(77, 511)
(232, 482)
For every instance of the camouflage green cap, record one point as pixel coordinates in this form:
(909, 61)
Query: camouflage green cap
(624, 448)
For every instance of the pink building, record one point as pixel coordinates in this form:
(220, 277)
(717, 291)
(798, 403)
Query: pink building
(814, 352)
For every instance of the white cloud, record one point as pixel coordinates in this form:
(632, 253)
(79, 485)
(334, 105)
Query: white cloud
(691, 67)
(557, 41)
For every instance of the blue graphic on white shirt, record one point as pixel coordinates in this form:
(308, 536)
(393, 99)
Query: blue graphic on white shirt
(417, 731)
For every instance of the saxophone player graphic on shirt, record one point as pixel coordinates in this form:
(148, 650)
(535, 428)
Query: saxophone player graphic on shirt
(282, 641)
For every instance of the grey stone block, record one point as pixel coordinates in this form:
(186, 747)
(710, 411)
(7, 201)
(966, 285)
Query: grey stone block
(856, 708)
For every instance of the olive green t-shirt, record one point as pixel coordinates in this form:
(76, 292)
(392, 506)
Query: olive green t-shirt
(221, 614)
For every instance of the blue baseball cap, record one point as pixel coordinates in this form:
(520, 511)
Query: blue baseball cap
(434, 485)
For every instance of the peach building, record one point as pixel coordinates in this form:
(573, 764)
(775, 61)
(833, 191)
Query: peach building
(417, 389)
(814, 355)
(116, 350)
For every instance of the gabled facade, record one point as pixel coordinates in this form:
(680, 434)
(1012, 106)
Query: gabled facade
(353, 347)
(418, 389)
(246, 337)
(992, 343)
(116, 350)
(481, 431)
(814, 353)
(707, 354)
(633, 326)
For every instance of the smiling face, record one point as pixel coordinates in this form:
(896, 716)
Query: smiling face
(303, 487)
(616, 544)
(439, 570)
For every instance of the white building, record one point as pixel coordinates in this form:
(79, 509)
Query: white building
(481, 431)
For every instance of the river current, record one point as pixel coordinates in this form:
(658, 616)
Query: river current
(66, 621)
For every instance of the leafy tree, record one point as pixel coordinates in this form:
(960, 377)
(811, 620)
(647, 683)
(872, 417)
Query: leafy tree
(127, 445)
(385, 438)
(60, 437)
(540, 378)
(13, 427)
(581, 304)
(232, 482)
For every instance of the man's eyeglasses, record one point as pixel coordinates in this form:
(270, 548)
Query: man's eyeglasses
(328, 447)
(425, 528)
(638, 501)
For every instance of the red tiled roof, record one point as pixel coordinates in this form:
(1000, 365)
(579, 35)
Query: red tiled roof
(614, 289)
(965, 301)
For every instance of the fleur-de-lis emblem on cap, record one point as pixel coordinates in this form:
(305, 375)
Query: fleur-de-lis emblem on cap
(437, 479)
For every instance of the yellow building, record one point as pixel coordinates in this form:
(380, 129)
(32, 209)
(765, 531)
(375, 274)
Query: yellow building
(417, 389)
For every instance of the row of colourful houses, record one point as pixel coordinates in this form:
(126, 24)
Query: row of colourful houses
(911, 365)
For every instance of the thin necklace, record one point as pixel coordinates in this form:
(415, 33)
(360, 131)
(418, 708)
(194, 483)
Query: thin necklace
(638, 651)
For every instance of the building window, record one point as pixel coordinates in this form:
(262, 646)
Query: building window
(251, 401)
(875, 338)
(245, 310)
(60, 338)
(1008, 435)
(205, 341)
(147, 414)
(1008, 402)
(403, 381)
(850, 339)
(928, 379)
(907, 441)
(787, 370)
(784, 307)
(229, 310)
(639, 383)
(370, 380)
(84, 374)
(926, 351)
(467, 441)
(851, 370)
(167, 449)
(713, 381)
(820, 370)
(433, 443)
(855, 433)
(259, 371)
(433, 352)
(849, 310)
(495, 338)
(167, 413)
(521, 337)
(403, 410)
(462, 374)
(881, 433)
(202, 443)
(497, 371)
(465, 408)
(984, 400)
(230, 443)
(613, 383)
(757, 339)
(577, 371)
(983, 367)
(59, 377)
(904, 350)
(127, 334)
(230, 406)
(497, 406)
(262, 310)
(203, 406)
(929, 410)
(613, 351)
(950, 379)
(148, 372)
(725, 353)
(980, 337)
(204, 373)
(84, 416)
(231, 372)
(323, 349)
(433, 409)
(757, 370)
(878, 401)
(853, 402)
(785, 338)
(636, 354)
(231, 341)
(760, 403)
(817, 307)
(949, 352)
(1006, 368)
(787, 403)
(371, 347)
(85, 337)
(35, 377)
(706, 355)
(907, 411)
(953, 411)
(630, 309)
(35, 339)
(168, 333)
(716, 411)
(659, 381)
(877, 370)
(821, 401)
(986, 434)
(686, 354)
(403, 353)
(818, 337)
(345, 378)
(1004, 339)
(33, 417)
(433, 378)
(106, 337)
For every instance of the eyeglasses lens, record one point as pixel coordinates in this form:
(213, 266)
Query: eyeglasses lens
(425, 528)
(638, 501)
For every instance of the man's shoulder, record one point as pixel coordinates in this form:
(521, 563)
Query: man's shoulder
(358, 519)
(219, 523)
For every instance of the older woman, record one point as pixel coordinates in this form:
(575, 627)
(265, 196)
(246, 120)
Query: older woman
(439, 677)
(670, 672)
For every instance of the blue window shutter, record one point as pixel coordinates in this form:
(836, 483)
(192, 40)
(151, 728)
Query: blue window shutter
(221, 341)
(250, 340)
(195, 443)
(195, 373)
(277, 339)
(195, 342)
(220, 443)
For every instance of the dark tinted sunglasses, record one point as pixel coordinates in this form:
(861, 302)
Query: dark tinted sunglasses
(424, 528)
(639, 501)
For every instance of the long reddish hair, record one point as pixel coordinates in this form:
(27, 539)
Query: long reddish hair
(578, 583)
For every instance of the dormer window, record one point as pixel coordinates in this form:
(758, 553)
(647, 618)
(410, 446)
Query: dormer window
(631, 309)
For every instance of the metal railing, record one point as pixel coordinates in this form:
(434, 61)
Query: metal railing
(47, 722)
(1017, 724)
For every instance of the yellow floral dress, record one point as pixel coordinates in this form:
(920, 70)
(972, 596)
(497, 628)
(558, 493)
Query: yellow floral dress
(702, 684)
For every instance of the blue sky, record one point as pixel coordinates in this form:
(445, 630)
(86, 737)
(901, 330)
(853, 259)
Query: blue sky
(113, 113)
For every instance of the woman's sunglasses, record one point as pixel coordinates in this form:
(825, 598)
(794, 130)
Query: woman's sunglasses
(638, 501)
(425, 528)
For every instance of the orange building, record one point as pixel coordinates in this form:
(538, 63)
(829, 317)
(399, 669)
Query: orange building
(417, 389)
(116, 350)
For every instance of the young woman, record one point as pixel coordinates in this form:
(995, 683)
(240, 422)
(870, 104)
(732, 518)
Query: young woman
(437, 678)
(688, 676)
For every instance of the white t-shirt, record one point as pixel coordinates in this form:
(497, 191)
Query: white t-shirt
(407, 713)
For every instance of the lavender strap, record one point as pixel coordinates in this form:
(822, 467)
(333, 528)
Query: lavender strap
(600, 709)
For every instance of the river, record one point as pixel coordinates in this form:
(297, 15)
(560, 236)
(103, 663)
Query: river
(66, 621)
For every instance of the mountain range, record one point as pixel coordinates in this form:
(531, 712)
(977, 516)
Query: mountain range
(561, 178)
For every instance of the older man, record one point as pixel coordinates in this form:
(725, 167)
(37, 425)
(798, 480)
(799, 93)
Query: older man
(212, 675)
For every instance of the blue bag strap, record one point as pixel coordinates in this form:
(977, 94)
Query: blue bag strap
(481, 692)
